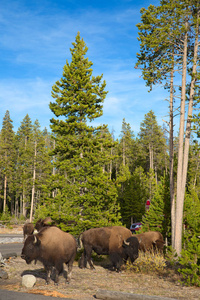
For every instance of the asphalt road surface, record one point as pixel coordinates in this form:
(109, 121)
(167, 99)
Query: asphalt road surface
(10, 295)
(11, 243)
(6, 249)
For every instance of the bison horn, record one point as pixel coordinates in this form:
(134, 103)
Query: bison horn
(35, 240)
(126, 243)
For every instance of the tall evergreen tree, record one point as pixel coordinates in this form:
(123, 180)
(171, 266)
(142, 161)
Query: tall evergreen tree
(7, 158)
(25, 155)
(154, 144)
(157, 218)
(84, 193)
(134, 196)
(41, 164)
(169, 40)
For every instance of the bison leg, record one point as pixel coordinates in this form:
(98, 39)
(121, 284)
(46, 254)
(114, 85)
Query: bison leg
(69, 273)
(48, 270)
(59, 269)
(86, 257)
(88, 254)
(116, 261)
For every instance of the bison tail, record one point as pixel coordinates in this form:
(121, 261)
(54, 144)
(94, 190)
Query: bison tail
(79, 242)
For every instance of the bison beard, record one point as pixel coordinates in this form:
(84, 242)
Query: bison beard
(113, 241)
(52, 247)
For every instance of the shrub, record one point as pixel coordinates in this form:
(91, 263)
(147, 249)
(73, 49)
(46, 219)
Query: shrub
(148, 262)
(190, 262)
(5, 216)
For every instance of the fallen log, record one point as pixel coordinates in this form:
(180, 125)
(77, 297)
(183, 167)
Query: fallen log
(114, 295)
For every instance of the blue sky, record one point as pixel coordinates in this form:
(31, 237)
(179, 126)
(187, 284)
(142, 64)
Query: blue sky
(34, 46)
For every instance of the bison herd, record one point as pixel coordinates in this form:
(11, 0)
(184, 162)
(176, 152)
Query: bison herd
(54, 247)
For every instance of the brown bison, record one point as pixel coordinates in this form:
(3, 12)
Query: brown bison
(41, 223)
(28, 229)
(52, 247)
(151, 240)
(113, 241)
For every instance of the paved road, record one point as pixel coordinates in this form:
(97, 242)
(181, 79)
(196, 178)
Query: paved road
(11, 243)
(10, 295)
(16, 248)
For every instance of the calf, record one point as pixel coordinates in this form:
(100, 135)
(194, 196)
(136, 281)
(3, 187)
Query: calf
(150, 240)
(28, 229)
(41, 223)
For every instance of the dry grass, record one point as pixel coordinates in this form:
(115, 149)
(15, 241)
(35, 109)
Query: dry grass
(14, 229)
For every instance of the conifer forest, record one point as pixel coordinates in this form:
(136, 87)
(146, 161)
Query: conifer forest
(82, 177)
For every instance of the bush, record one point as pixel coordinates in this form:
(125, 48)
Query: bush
(148, 263)
(5, 216)
(190, 262)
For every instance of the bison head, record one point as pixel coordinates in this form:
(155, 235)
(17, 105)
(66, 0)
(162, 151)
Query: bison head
(131, 246)
(31, 248)
(158, 245)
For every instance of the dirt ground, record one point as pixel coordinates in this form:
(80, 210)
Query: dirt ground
(85, 282)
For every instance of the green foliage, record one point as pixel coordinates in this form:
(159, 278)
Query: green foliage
(193, 175)
(153, 144)
(33, 156)
(82, 193)
(7, 159)
(190, 261)
(191, 217)
(158, 216)
(190, 255)
(133, 197)
(5, 216)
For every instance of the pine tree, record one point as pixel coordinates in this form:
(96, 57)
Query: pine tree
(41, 165)
(158, 216)
(7, 158)
(24, 164)
(84, 193)
(169, 41)
(154, 144)
(134, 196)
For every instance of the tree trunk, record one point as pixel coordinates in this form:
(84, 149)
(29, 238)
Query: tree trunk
(33, 186)
(124, 152)
(190, 108)
(171, 167)
(110, 171)
(180, 192)
(54, 169)
(151, 156)
(21, 206)
(23, 202)
(4, 193)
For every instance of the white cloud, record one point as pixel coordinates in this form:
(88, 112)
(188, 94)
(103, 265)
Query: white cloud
(23, 97)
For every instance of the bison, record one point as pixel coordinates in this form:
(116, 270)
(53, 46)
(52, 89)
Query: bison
(28, 229)
(113, 241)
(151, 240)
(52, 247)
(41, 223)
